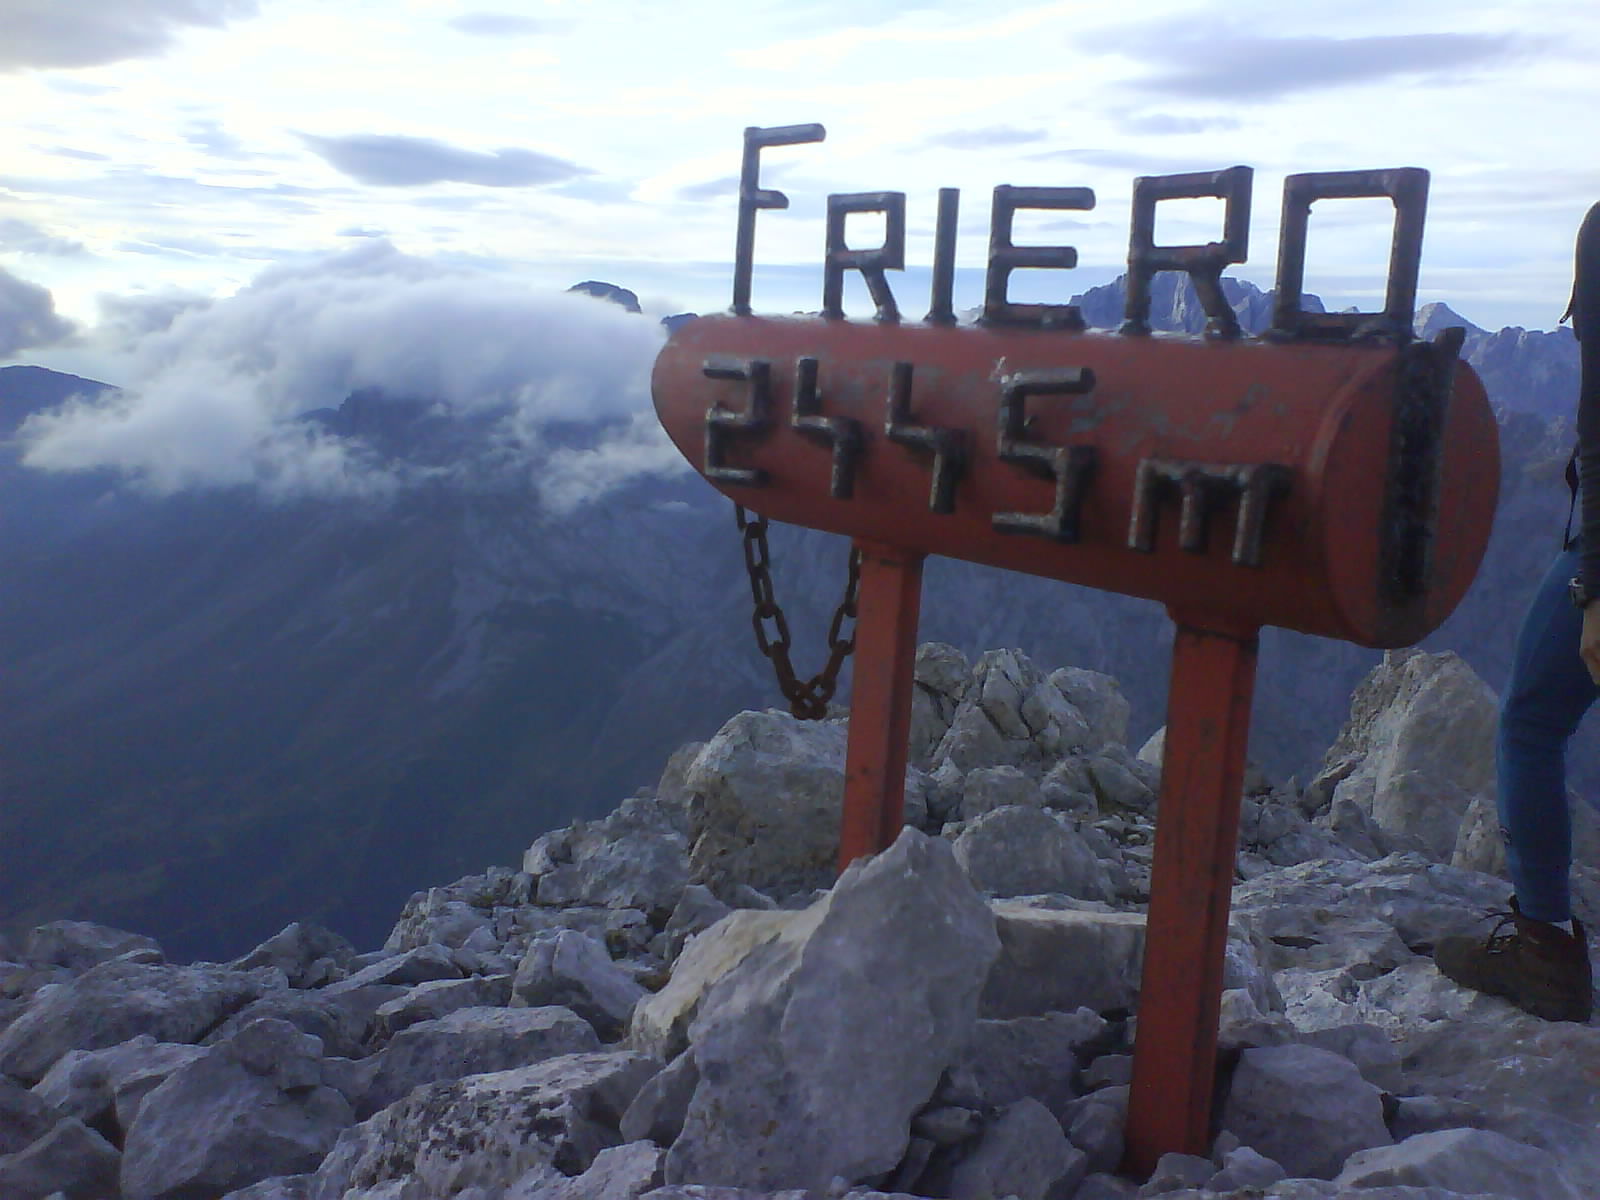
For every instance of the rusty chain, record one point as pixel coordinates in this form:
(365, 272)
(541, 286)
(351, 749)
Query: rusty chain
(808, 700)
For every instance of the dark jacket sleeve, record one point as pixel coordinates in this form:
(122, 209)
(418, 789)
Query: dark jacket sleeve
(1586, 324)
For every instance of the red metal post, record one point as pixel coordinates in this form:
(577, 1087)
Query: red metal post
(1191, 886)
(889, 604)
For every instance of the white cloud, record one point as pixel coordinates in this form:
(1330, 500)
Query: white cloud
(28, 316)
(24, 237)
(49, 33)
(392, 161)
(499, 25)
(650, 99)
(543, 388)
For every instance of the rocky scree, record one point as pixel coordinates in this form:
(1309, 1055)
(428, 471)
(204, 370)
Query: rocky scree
(679, 1001)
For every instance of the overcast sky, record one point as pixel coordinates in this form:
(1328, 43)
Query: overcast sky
(160, 146)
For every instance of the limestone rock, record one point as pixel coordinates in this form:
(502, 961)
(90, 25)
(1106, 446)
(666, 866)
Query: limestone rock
(1108, 1070)
(657, 1112)
(252, 1107)
(1006, 1061)
(1309, 1109)
(942, 675)
(986, 789)
(436, 918)
(1099, 699)
(660, 1023)
(672, 790)
(1154, 749)
(973, 740)
(1350, 940)
(1022, 1153)
(1418, 748)
(116, 1001)
(1094, 1124)
(471, 1041)
(1426, 1114)
(440, 997)
(1531, 1080)
(308, 955)
(1118, 788)
(408, 968)
(86, 1084)
(1272, 826)
(697, 910)
(451, 916)
(947, 1124)
(1011, 714)
(71, 1159)
(79, 945)
(620, 1173)
(488, 1130)
(1463, 1160)
(767, 792)
(1243, 1167)
(700, 1192)
(1100, 1185)
(1479, 846)
(1354, 828)
(1054, 726)
(1241, 1025)
(1368, 1047)
(1067, 788)
(1062, 960)
(538, 1182)
(574, 971)
(1002, 681)
(942, 793)
(279, 1187)
(24, 1116)
(1177, 1171)
(1025, 851)
(815, 1051)
(634, 858)
(144, 1075)
(339, 1022)
(1329, 954)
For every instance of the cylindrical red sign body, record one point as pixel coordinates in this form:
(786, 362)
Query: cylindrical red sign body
(1339, 489)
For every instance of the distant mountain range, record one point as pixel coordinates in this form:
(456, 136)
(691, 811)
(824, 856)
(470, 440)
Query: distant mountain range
(221, 714)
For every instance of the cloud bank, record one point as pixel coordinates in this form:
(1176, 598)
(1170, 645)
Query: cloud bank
(506, 386)
(499, 24)
(992, 137)
(24, 237)
(88, 33)
(28, 316)
(1206, 59)
(388, 161)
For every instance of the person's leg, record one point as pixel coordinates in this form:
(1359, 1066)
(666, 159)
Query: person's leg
(1547, 695)
(1528, 958)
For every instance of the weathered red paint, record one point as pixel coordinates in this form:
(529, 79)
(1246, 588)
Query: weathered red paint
(1323, 410)
(1327, 413)
(880, 700)
(1191, 886)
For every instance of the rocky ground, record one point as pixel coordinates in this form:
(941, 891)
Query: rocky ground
(678, 1000)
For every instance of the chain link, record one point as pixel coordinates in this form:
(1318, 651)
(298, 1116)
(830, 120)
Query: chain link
(807, 700)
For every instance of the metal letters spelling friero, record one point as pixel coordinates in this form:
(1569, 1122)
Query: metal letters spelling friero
(1336, 476)
(1297, 479)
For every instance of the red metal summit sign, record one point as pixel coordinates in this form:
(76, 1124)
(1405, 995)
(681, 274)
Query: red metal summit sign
(1336, 476)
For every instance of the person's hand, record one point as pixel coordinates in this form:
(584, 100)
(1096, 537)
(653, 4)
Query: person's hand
(1589, 641)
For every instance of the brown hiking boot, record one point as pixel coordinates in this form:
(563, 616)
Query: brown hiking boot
(1538, 967)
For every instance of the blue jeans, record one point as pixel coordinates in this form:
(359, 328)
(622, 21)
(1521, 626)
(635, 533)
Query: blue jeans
(1547, 695)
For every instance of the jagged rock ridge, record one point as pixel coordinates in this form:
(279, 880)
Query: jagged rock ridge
(426, 680)
(634, 1015)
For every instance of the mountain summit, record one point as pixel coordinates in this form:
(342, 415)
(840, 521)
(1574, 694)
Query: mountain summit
(226, 711)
